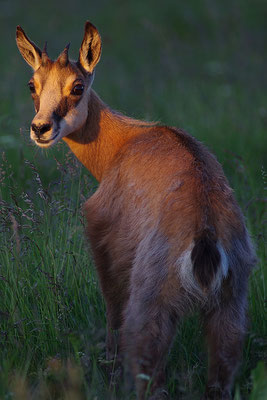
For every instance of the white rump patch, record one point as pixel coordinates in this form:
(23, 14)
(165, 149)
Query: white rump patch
(224, 260)
(188, 281)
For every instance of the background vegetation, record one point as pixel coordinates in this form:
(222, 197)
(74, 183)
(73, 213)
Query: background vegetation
(199, 65)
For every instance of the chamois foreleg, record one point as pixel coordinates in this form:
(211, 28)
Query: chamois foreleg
(111, 281)
(114, 291)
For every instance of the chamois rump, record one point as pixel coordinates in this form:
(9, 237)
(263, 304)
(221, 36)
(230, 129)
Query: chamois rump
(166, 232)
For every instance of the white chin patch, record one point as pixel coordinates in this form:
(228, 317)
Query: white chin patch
(46, 140)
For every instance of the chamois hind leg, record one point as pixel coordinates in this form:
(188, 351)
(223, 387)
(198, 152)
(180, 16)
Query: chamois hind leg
(147, 334)
(148, 329)
(225, 330)
(150, 316)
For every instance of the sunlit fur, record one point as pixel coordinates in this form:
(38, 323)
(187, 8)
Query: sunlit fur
(53, 82)
(166, 233)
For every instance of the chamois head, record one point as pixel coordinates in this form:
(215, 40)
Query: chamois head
(60, 89)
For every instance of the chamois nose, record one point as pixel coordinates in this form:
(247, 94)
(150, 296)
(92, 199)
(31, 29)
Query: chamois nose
(40, 129)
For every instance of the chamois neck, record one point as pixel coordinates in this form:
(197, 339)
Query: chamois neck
(102, 136)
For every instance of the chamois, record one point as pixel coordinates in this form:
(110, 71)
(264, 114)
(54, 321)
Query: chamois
(165, 230)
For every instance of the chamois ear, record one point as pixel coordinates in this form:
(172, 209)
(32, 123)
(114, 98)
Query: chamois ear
(90, 50)
(29, 51)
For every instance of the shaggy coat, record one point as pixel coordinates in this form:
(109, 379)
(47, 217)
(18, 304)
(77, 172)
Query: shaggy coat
(166, 232)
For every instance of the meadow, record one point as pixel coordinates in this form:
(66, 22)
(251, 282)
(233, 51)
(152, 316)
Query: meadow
(196, 65)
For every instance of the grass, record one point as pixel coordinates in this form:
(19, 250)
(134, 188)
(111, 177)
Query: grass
(196, 65)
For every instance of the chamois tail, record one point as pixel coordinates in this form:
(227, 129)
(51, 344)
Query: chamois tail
(205, 258)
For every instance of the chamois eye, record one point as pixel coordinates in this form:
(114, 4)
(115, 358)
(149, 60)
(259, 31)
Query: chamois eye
(31, 87)
(78, 90)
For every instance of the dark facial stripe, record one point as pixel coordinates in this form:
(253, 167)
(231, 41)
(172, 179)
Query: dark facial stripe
(64, 106)
(36, 101)
(61, 109)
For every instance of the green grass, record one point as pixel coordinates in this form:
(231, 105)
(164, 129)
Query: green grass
(197, 65)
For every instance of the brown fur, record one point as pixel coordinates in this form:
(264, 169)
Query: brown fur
(165, 230)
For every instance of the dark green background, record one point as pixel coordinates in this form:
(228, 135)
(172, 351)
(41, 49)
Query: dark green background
(198, 65)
